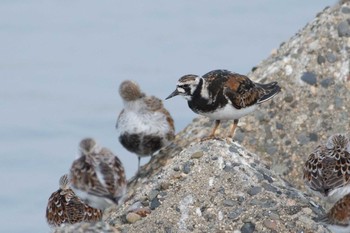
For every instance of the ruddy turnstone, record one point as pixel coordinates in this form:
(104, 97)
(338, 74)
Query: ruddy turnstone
(98, 176)
(144, 125)
(65, 207)
(327, 169)
(338, 217)
(223, 95)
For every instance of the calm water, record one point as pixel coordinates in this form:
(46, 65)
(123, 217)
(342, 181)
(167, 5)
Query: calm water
(61, 63)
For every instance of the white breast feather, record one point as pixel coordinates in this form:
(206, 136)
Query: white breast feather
(137, 119)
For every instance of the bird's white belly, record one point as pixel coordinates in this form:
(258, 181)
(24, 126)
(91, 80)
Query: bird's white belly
(147, 123)
(229, 112)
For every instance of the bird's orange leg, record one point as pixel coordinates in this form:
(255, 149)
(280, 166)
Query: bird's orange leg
(233, 128)
(212, 134)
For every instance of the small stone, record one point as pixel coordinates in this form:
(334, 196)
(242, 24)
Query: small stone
(168, 230)
(269, 187)
(303, 139)
(279, 125)
(321, 59)
(268, 178)
(309, 78)
(312, 106)
(271, 150)
(187, 167)
(288, 98)
(344, 29)
(345, 10)
(291, 210)
(164, 185)
(313, 137)
(229, 202)
(239, 136)
(132, 217)
(153, 194)
(155, 203)
(331, 58)
(326, 82)
(307, 211)
(235, 214)
(248, 227)
(197, 155)
(233, 149)
(254, 190)
(271, 224)
(176, 169)
(338, 102)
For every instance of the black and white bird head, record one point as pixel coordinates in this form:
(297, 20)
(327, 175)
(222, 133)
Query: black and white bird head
(186, 86)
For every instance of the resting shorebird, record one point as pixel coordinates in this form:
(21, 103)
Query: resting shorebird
(327, 169)
(338, 217)
(144, 125)
(223, 95)
(65, 207)
(98, 176)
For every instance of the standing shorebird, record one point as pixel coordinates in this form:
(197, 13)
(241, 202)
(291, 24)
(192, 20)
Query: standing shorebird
(338, 217)
(144, 125)
(65, 207)
(327, 169)
(98, 176)
(223, 95)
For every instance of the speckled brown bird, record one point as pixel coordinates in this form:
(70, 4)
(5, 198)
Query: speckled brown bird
(65, 207)
(338, 217)
(223, 95)
(98, 176)
(327, 169)
(144, 125)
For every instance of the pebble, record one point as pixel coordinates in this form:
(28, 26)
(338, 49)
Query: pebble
(248, 227)
(229, 202)
(197, 155)
(326, 82)
(271, 224)
(344, 29)
(279, 125)
(303, 138)
(345, 10)
(270, 188)
(254, 190)
(291, 210)
(187, 167)
(313, 137)
(155, 203)
(235, 214)
(331, 58)
(309, 78)
(153, 194)
(132, 217)
(321, 59)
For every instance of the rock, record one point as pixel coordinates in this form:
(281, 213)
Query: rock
(331, 58)
(132, 217)
(345, 10)
(321, 59)
(309, 78)
(237, 186)
(344, 29)
(197, 155)
(248, 227)
(254, 190)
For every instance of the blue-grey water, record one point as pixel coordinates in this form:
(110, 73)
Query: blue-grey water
(61, 62)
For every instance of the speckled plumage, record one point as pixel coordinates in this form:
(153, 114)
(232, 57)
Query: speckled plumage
(65, 207)
(98, 176)
(338, 217)
(144, 125)
(223, 95)
(327, 169)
